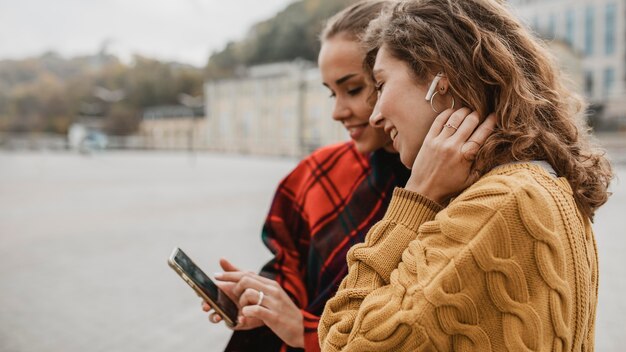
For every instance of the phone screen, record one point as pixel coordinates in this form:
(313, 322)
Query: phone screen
(204, 283)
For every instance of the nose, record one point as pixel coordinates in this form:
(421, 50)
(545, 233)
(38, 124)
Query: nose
(340, 110)
(376, 118)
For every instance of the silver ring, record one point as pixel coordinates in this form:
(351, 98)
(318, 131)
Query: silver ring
(261, 296)
(450, 126)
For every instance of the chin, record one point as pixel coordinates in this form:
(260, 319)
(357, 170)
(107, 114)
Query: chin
(369, 145)
(407, 160)
(364, 147)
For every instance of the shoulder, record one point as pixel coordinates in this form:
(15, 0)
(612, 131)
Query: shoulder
(333, 162)
(339, 157)
(514, 194)
(341, 150)
(509, 183)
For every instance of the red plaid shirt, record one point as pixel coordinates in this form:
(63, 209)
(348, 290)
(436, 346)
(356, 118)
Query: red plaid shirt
(321, 209)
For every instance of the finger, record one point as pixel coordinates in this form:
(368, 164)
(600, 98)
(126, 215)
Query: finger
(478, 138)
(484, 130)
(452, 125)
(469, 150)
(244, 323)
(266, 281)
(227, 266)
(252, 281)
(241, 323)
(215, 318)
(224, 285)
(467, 127)
(232, 276)
(236, 276)
(251, 297)
(259, 312)
(440, 121)
(206, 307)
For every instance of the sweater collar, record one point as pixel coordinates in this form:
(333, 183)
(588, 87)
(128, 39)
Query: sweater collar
(536, 167)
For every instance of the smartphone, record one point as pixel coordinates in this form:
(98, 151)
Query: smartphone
(204, 286)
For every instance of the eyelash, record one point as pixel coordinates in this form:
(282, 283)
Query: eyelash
(351, 92)
(355, 91)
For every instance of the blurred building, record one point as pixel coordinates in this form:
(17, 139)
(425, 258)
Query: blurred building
(273, 109)
(571, 63)
(597, 30)
(173, 127)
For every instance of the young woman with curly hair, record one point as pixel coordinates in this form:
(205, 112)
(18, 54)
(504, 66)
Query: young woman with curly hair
(323, 207)
(489, 245)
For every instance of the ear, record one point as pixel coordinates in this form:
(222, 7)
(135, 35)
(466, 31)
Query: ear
(443, 85)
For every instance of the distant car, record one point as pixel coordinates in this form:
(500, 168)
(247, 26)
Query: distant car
(94, 140)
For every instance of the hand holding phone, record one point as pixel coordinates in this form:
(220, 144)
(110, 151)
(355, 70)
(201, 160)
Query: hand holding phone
(204, 286)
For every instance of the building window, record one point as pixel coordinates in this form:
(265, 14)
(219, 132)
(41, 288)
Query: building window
(569, 27)
(609, 81)
(610, 27)
(589, 84)
(589, 30)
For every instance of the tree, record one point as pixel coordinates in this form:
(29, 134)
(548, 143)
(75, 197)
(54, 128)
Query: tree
(292, 33)
(48, 93)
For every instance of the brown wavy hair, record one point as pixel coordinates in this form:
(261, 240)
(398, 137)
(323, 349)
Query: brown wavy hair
(494, 64)
(353, 20)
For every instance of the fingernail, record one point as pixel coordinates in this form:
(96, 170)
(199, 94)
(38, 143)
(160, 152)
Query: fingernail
(218, 275)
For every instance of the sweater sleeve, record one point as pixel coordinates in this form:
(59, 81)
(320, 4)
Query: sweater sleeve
(487, 273)
(366, 272)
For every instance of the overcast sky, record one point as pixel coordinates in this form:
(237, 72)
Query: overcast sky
(181, 30)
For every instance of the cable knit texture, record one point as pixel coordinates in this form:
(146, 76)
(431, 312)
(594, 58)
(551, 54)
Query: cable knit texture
(509, 265)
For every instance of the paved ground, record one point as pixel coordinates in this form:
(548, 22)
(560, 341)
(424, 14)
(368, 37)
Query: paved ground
(84, 242)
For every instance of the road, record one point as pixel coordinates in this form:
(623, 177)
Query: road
(85, 239)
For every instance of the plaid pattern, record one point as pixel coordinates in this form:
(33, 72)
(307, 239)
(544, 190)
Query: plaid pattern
(321, 209)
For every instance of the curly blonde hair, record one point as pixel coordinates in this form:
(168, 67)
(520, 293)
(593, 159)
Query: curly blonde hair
(494, 64)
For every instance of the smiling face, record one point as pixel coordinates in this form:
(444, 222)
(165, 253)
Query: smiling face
(341, 65)
(402, 110)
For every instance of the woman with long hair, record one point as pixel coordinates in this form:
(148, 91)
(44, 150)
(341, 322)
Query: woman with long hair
(323, 207)
(489, 245)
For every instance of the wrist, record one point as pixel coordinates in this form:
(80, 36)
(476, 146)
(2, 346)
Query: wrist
(297, 340)
(425, 189)
(300, 341)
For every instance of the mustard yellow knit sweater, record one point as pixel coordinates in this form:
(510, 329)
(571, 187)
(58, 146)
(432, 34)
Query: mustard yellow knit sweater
(509, 265)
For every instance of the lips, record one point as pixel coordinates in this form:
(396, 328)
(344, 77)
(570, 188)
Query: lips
(356, 131)
(393, 133)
